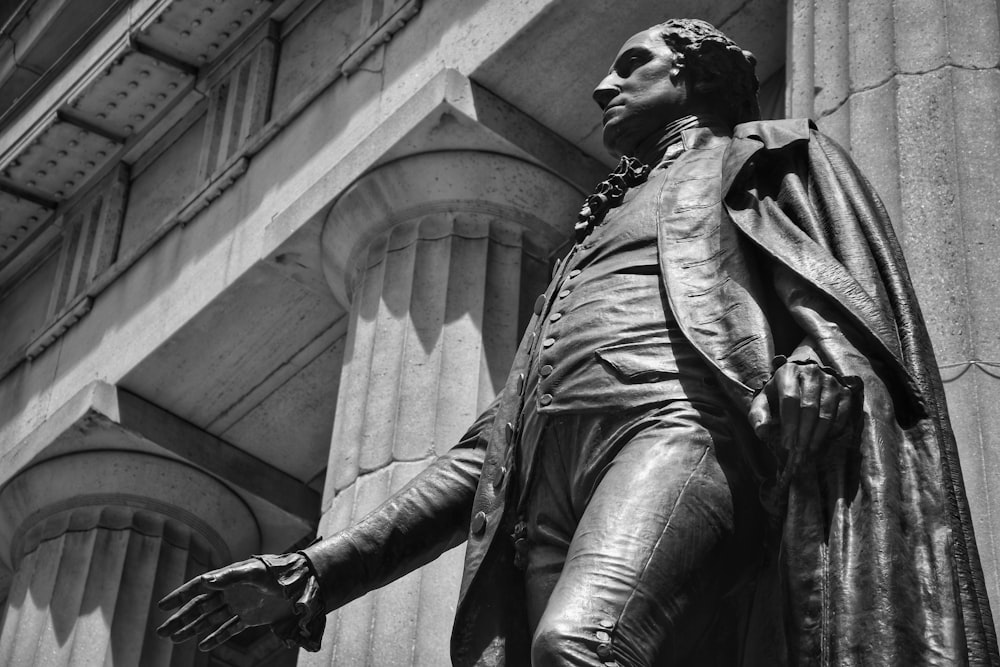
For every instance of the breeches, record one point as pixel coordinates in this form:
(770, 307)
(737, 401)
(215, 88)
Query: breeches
(637, 538)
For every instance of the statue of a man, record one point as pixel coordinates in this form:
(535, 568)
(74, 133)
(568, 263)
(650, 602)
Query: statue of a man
(723, 440)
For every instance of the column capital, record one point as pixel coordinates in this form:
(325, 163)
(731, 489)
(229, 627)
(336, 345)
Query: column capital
(514, 196)
(43, 497)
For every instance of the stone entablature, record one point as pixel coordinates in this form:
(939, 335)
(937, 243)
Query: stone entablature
(173, 63)
(128, 89)
(113, 98)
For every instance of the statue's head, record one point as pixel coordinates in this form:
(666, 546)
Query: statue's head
(680, 67)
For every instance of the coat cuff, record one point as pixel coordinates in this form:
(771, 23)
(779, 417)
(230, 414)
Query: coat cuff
(294, 573)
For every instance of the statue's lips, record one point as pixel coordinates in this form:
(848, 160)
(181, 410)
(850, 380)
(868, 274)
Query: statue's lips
(609, 113)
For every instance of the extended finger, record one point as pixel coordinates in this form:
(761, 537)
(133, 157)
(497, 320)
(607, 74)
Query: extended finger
(250, 571)
(183, 593)
(227, 630)
(189, 612)
(214, 618)
(245, 571)
(827, 412)
(789, 403)
(811, 393)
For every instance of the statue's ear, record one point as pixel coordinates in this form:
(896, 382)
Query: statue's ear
(707, 82)
(680, 69)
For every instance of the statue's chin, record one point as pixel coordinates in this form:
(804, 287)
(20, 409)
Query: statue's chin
(613, 147)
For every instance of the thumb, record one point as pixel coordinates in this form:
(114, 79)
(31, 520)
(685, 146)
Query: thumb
(245, 572)
(760, 415)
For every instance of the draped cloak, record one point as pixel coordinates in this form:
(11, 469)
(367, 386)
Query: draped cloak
(871, 558)
(877, 558)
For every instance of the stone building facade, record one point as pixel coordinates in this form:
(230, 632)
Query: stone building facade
(261, 260)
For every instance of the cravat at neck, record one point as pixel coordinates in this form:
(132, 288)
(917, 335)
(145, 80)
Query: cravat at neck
(653, 149)
(609, 193)
(664, 146)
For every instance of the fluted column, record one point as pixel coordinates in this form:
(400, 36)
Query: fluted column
(441, 257)
(95, 540)
(912, 88)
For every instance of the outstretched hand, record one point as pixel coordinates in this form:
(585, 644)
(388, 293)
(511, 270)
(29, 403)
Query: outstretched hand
(223, 603)
(799, 409)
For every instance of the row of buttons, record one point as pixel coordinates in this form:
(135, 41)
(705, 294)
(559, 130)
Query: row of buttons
(547, 369)
(479, 521)
(545, 399)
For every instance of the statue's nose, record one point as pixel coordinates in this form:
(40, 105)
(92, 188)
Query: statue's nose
(604, 93)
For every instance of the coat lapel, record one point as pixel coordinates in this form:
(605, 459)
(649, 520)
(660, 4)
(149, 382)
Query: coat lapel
(705, 271)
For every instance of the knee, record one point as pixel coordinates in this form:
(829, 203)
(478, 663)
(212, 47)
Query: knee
(545, 645)
(560, 642)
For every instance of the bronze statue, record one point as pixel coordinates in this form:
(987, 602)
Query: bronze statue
(723, 440)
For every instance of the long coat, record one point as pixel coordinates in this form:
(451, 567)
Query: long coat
(770, 237)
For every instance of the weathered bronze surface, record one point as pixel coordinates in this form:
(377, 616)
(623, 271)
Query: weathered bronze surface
(723, 440)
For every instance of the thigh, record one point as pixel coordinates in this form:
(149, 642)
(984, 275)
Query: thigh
(651, 556)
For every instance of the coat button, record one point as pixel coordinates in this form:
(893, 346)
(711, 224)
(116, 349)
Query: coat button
(539, 304)
(603, 636)
(603, 651)
(545, 370)
(574, 273)
(565, 293)
(545, 399)
(478, 523)
(555, 317)
(548, 342)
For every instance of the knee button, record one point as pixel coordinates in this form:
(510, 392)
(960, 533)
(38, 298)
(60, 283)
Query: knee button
(604, 637)
(604, 651)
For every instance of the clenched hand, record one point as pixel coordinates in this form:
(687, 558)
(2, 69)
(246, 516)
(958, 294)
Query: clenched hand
(799, 408)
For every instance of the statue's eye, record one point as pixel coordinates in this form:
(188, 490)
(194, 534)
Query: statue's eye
(629, 63)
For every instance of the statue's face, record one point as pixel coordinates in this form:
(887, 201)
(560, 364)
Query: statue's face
(643, 91)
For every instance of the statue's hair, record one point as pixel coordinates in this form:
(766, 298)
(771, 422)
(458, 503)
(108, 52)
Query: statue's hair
(716, 67)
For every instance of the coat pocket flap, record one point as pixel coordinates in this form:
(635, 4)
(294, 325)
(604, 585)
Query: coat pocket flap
(640, 362)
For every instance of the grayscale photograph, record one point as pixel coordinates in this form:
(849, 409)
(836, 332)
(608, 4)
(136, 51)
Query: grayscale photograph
(499, 333)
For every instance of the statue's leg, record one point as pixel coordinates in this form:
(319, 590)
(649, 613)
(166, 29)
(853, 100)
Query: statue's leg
(641, 577)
